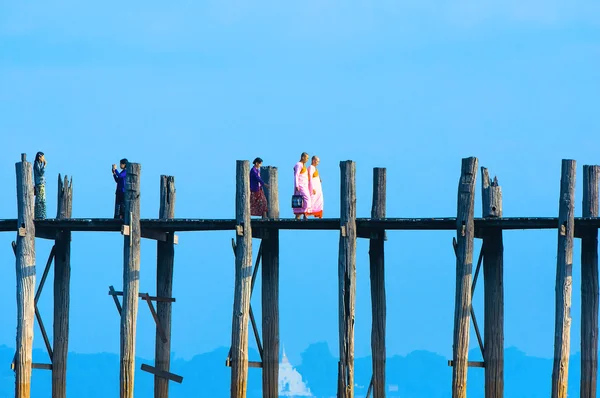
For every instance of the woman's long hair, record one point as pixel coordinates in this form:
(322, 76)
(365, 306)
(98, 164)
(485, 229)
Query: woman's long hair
(38, 156)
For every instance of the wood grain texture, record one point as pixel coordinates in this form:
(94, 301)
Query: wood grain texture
(131, 279)
(270, 176)
(25, 271)
(243, 277)
(165, 259)
(377, 273)
(270, 291)
(62, 289)
(347, 278)
(564, 280)
(589, 286)
(493, 276)
(465, 234)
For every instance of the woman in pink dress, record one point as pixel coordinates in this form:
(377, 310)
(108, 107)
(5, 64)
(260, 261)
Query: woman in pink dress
(301, 186)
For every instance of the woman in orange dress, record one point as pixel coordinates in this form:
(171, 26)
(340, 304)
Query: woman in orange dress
(316, 190)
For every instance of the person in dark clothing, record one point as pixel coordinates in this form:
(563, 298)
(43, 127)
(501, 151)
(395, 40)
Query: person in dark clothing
(258, 201)
(39, 169)
(119, 177)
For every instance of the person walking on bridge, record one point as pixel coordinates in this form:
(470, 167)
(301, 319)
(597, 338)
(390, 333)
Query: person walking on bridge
(258, 201)
(316, 190)
(301, 197)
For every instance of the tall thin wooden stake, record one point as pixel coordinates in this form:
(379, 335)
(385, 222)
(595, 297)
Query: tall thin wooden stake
(465, 233)
(347, 278)
(243, 276)
(564, 266)
(377, 270)
(270, 176)
(493, 276)
(62, 286)
(164, 288)
(25, 270)
(270, 290)
(589, 286)
(131, 278)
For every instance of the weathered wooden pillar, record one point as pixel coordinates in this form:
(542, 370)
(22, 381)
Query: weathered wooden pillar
(270, 290)
(243, 277)
(377, 270)
(589, 286)
(465, 233)
(493, 276)
(270, 176)
(164, 287)
(564, 266)
(25, 270)
(131, 278)
(347, 278)
(62, 286)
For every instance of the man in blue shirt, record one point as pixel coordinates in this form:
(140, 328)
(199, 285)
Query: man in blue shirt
(119, 177)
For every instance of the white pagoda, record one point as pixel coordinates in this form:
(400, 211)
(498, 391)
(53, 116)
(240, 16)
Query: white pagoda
(290, 381)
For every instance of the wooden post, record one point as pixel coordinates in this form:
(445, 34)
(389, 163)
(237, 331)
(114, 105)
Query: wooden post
(270, 176)
(25, 270)
(270, 291)
(164, 288)
(589, 286)
(347, 277)
(377, 270)
(465, 233)
(493, 276)
(131, 278)
(564, 265)
(243, 276)
(62, 282)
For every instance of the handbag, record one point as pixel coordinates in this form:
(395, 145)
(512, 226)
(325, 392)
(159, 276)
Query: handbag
(297, 201)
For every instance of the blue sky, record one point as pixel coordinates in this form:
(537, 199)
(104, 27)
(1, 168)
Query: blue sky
(187, 89)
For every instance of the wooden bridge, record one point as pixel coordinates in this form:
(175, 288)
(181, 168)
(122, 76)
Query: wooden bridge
(489, 228)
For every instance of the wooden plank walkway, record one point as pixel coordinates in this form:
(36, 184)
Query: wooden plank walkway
(186, 224)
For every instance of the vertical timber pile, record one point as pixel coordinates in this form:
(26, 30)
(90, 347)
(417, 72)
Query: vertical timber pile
(465, 233)
(564, 266)
(377, 271)
(164, 286)
(62, 286)
(589, 286)
(25, 270)
(243, 277)
(270, 290)
(131, 278)
(493, 276)
(347, 278)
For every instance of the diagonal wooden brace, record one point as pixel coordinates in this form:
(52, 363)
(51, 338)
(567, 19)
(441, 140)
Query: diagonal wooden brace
(475, 325)
(113, 293)
(252, 319)
(38, 293)
(163, 374)
(161, 330)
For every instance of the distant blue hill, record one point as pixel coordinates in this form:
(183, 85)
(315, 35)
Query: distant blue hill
(420, 374)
